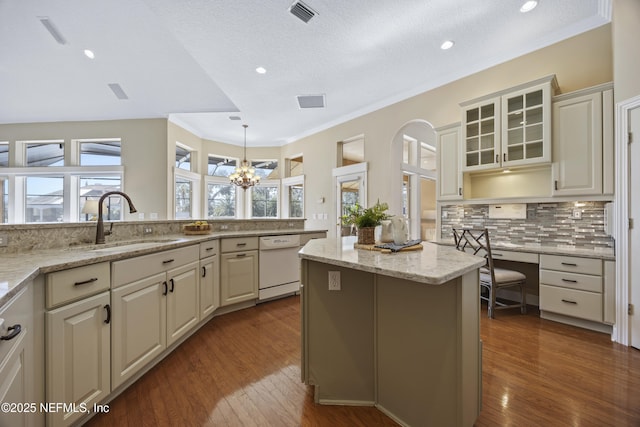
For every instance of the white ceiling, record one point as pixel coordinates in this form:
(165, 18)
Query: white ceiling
(194, 61)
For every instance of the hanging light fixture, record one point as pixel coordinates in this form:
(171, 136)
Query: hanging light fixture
(245, 175)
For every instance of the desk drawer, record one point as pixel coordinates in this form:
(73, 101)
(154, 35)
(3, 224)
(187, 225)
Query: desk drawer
(572, 264)
(581, 282)
(515, 256)
(76, 283)
(571, 302)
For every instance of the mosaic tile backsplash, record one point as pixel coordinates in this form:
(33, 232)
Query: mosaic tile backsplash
(547, 224)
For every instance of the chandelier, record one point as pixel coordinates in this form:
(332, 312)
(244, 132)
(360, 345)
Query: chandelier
(244, 175)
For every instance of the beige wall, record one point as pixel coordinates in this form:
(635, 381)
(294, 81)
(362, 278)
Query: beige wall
(578, 62)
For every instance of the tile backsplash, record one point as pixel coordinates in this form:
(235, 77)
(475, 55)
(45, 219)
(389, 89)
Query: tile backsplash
(546, 224)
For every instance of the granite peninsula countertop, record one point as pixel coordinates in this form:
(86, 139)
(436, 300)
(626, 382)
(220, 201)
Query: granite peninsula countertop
(17, 269)
(434, 265)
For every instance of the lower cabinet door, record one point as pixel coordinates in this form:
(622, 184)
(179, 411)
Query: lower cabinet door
(238, 277)
(138, 332)
(78, 356)
(209, 285)
(183, 305)
(14, 384)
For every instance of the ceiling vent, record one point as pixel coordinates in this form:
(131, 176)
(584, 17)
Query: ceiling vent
(234, 117)
(302, 11)
(48, 24)
(310, 101)
(118, 91)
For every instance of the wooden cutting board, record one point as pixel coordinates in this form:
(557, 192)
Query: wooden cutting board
(417, 247)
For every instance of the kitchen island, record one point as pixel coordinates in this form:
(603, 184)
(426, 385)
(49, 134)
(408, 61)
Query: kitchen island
(401, 333)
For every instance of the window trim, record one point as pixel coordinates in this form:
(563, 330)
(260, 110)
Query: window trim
(286, 183)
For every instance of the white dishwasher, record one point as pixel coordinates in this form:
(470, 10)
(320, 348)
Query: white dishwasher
(279, 266)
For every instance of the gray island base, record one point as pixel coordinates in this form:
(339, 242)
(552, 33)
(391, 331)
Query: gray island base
(402, 333)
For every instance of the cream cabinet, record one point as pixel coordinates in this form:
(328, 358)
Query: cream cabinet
(508, 128)
(78, 341)
(572, 286)
(155, 302)
(209, 278)
(18, 382)
(583, 142)
(78, 357)
(238, 270)
(448, 158)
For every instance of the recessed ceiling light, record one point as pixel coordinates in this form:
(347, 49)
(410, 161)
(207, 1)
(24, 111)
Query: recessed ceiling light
(261, 70)
(528, 6)
(448, 44)
(89, 53)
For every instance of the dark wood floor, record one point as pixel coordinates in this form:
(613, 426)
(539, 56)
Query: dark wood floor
(243, 369)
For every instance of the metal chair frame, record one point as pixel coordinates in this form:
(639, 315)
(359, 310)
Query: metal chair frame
(476, 241)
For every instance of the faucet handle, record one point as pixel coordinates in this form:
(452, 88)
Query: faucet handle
(109, 231)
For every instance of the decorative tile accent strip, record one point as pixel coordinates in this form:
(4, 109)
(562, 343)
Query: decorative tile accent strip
(547, 224)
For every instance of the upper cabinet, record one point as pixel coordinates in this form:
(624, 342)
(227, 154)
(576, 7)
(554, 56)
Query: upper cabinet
(583, 142)
(448, 155)
(509, 128)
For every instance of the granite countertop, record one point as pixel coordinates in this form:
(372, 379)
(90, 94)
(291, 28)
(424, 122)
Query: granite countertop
(434, 265)
(17, 269)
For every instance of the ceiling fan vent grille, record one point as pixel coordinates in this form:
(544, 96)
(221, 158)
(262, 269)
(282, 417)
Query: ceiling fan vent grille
(310, 101)
(302, 11)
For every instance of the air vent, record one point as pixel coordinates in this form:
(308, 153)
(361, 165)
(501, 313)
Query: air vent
(48, 24)
(302, 11)
(234, 117)
(118, 91)
(311, 101)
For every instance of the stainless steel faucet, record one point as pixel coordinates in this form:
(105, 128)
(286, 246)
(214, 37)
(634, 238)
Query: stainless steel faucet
(100, 233)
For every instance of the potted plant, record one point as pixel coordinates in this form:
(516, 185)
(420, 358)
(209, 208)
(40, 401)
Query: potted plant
(366, 220)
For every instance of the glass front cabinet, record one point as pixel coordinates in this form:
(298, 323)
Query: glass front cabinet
(510, 128)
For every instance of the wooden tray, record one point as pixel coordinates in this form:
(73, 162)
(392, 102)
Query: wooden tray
(417, 247)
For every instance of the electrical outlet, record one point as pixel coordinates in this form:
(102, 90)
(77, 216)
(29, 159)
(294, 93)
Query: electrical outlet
(576, 214)
(4, 240)
(334, 280)
(224, 227)
(147, 230)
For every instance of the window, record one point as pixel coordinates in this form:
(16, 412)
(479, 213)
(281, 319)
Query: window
(296, 201)
(266, 169)
(45, 154)
(220, 166)
(264, 201)
(103, 153)
(351, 151)
(4, 154)
(52, 180)
(92, 188)
(295, 166)
(427, 157)
(221, 200)
(4, 201)
(183, 158)
(183, 198)
(44, 199)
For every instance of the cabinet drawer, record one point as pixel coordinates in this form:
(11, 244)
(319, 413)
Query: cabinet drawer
(571, 264)
(76, 283)
(515, 256)
(132, 269)
(581, 282)
(239, 244)
(210, 248)
(16, 312)
(571, 302)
